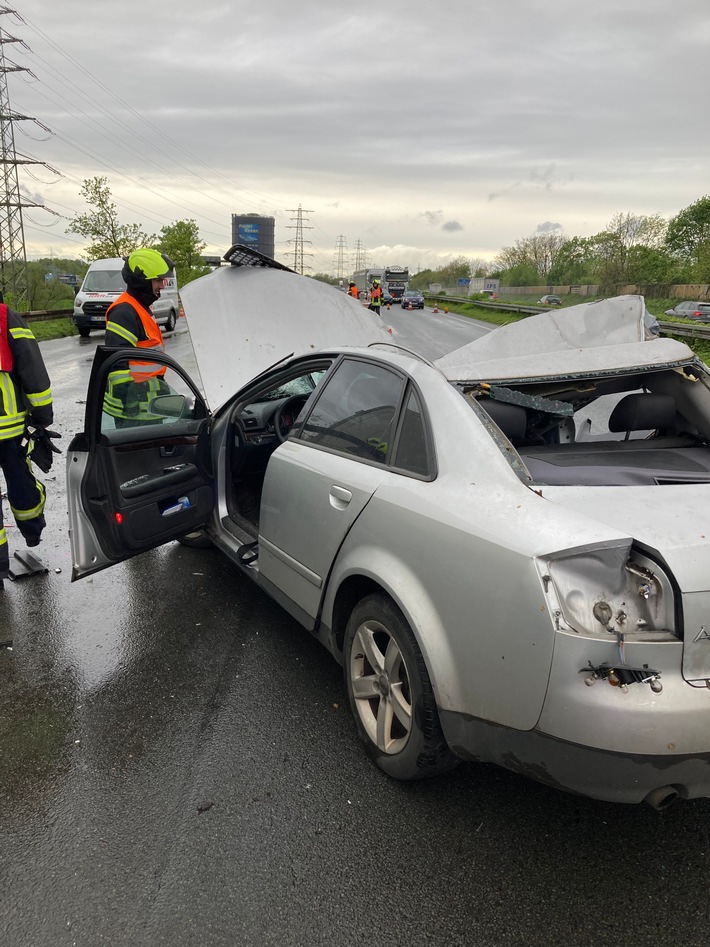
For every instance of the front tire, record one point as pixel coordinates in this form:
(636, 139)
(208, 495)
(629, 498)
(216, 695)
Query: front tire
(390, 693)
(172, 319)
(84, 333)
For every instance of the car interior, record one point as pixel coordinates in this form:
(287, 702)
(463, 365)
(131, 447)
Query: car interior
(364, 412)
(648, 428)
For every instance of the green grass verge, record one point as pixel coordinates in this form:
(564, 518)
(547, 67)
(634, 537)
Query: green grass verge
(45, 329)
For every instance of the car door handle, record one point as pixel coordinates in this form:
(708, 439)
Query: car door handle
(169, 477)
(340, 497)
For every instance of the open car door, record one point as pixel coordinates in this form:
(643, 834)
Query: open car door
(139, 474)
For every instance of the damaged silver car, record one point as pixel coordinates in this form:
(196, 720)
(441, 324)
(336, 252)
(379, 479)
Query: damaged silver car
(508, 549)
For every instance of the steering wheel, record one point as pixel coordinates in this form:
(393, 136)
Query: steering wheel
(286, 414)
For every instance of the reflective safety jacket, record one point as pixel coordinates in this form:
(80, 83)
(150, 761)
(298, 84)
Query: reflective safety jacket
(25, 395)
(131, 389)
(376, 295)
(354, 292)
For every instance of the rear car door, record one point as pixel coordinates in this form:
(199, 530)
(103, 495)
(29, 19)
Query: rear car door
(139, 474)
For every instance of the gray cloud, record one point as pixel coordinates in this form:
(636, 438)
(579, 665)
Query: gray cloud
(237, 108)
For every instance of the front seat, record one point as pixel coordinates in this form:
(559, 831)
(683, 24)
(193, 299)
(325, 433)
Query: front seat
(643, 412)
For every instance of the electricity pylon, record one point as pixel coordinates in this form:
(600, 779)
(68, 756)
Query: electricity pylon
(341, 248)
(360, 257)
(298, 241)
(13, 256)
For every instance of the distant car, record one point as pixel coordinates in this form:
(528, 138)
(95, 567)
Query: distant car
(413, 298)
(491, 293)
(550, 301)
(699, 311)
(387, 299)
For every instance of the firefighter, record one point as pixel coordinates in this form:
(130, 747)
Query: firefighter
(129, 322)
(375, 297)
(25, 401)
(353, 290)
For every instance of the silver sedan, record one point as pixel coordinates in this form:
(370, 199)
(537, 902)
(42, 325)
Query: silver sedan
(507, 550)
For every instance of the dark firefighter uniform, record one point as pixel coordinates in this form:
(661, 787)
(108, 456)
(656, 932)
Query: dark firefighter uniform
(25, 399)
(129, 322)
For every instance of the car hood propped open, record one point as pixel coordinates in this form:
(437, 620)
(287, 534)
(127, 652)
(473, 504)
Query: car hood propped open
(245, 318)
(593, 337)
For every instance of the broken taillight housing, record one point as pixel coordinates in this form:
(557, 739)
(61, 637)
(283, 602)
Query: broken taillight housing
(609, 591)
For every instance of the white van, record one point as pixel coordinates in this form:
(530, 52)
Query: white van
(103, 284)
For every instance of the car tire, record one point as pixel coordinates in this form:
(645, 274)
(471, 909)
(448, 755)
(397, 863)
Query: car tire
(84, 333)
(390, 694)
(172, 319)
(197, 539)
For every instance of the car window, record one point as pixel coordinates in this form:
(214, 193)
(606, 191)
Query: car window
(356, 412)
(141, 393)
(412, 453)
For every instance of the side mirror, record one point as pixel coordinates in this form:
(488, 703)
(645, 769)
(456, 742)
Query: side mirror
(169, 406)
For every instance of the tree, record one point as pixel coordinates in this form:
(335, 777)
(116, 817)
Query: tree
(181, 242)
(326, 278)
(689, 237)
(100, 225)
(520, 274)
(536, 253)
(575, 262)
(651, 265)
(47, 290)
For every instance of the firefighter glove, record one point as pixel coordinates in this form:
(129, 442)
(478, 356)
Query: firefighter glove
(42, 453)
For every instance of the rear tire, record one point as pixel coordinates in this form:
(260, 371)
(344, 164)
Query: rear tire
(172, 319)
(390, 693)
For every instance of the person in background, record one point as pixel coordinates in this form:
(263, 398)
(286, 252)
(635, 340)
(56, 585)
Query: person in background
(25, 402)
(353, 290)
(375, 297)
(130, 323)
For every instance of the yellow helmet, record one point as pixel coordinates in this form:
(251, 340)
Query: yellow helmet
(151, 264)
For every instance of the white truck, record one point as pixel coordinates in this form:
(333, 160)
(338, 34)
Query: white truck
(484, 284)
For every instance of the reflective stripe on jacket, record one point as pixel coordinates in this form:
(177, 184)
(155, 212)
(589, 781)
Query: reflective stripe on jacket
(27, 390)
(130, 390)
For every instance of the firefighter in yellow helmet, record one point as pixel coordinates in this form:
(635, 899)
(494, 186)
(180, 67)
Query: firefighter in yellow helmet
(375, 296)
(129, 322)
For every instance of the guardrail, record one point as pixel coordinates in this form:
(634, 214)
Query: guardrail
(40, 315)
(684, 329)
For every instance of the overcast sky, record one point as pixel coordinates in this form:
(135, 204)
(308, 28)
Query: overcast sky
(424, 131)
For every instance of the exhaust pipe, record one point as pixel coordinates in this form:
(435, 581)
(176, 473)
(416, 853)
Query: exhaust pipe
(663, 797)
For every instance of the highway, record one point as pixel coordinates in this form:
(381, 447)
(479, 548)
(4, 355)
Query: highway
(178, 767)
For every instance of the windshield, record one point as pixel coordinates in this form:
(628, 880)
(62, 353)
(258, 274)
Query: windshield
(103, 281)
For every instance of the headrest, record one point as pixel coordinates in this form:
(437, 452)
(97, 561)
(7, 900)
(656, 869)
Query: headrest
(643, 412)
(510, 418)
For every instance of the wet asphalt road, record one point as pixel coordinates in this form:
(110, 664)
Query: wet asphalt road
(178, 767)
